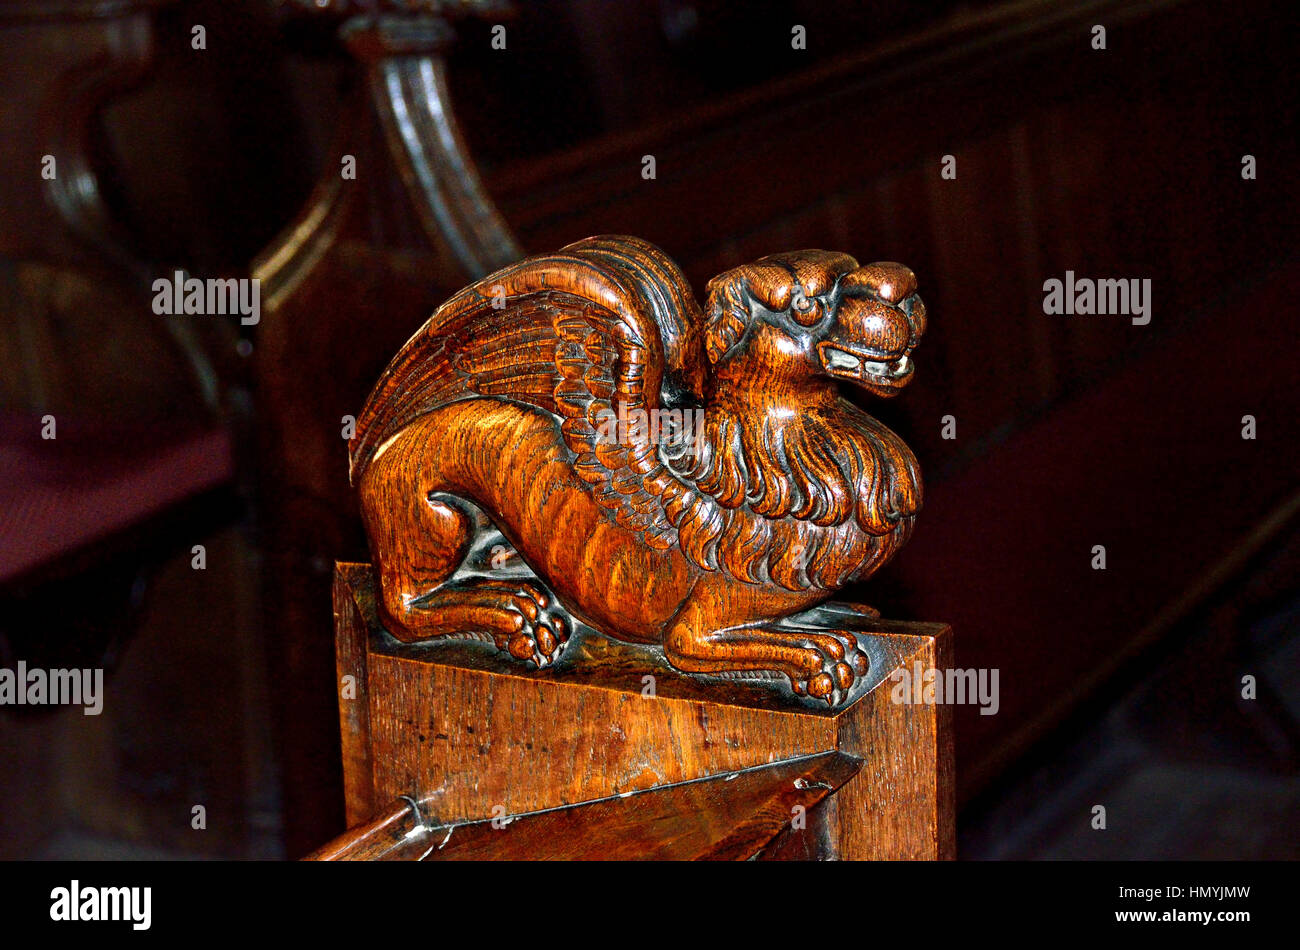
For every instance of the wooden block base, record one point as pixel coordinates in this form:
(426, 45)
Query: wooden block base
(477, 735)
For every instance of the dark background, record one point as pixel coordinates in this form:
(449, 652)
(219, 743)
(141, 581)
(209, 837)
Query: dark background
(1119, 687)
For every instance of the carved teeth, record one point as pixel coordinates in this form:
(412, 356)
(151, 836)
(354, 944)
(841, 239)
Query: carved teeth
(841, 360)
(837, 359)
(893, 370)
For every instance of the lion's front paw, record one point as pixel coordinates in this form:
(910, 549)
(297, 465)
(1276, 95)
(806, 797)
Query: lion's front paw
(822, 664)
(517, 616)
(542, 642)
(833, 662)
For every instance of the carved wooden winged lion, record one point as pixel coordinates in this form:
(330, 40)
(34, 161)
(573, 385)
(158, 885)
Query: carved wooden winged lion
(571, 441)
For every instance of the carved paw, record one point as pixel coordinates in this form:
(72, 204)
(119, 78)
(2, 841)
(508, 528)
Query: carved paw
(834, 662)
(542, 642)
(528, 626)
(518, 617)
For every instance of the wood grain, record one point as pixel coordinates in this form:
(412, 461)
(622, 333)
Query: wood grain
(473, 735)
(727, 817)
(572, 441)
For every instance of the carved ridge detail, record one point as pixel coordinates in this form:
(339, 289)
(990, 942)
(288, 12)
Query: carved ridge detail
(761, 474)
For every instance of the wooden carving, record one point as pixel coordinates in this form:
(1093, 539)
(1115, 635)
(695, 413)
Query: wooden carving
(571, 443)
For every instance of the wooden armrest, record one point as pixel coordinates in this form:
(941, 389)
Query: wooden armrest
(736, 816)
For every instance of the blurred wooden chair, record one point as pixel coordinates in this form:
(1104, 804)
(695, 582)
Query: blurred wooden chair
(114, 421)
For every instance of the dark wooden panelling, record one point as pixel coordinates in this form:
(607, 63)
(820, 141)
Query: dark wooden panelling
(1119, 163)
(1119, 167)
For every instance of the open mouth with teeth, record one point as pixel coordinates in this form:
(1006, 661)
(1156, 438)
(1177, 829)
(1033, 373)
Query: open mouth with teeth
(866, 369)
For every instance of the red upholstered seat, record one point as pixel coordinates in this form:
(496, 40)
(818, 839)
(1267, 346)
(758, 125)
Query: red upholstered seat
(59, 495)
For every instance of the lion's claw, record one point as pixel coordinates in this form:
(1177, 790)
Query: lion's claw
(539, 642)
(518, 617)
(841, 664)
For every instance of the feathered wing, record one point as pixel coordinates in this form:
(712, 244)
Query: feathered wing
(607, 329)
(603, 329)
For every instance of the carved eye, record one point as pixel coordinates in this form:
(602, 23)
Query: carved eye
(807, 309)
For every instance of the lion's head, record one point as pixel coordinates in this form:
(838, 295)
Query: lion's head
(840, 320)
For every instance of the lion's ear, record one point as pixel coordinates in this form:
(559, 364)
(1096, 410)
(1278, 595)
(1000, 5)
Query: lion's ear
(728, 315)
(730, 298)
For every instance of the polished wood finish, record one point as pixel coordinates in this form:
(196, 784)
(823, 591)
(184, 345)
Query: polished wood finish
(388, 836)
(735, 817)
(571, 443)
(471, 735)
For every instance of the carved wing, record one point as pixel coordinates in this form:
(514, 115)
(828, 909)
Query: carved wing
(603, 329)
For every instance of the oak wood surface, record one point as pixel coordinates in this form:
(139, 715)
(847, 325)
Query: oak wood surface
(572, 442)
(385, 836)
(472, 734)
(726, 817)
